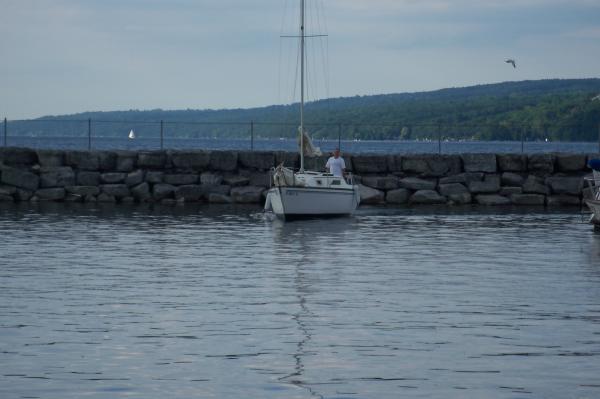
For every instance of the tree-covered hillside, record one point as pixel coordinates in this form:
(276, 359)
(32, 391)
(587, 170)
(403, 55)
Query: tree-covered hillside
(567, 110)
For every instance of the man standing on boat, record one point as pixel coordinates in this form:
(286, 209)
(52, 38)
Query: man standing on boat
(336, 165)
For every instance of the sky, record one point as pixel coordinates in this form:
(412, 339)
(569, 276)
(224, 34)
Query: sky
(69, 56)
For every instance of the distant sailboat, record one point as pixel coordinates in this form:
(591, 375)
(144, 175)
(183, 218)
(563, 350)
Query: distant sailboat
(131, 134)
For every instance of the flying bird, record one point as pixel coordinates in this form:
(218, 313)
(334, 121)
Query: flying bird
(511, 61)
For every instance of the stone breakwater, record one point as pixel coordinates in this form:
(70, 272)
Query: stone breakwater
(243, 177)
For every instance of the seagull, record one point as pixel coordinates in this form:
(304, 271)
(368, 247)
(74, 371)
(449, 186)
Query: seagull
(511, 61)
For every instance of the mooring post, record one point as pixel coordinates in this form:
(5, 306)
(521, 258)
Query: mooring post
(439, 139)
(340, 136)
(89, 134)
(5, 131)
(252, 135)
(161, 134)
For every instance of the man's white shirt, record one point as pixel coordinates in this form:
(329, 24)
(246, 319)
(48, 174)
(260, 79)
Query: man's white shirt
(336, 166)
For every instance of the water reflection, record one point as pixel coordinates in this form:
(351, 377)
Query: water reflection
(222, 302)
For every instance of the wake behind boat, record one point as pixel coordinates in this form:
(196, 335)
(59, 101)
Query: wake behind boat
(306, 193)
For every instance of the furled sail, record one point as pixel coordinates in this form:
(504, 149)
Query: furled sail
(310, 150)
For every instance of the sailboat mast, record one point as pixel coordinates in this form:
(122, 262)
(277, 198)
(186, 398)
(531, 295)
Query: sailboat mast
(301, 86)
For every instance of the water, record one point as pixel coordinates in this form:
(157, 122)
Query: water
(219, 301)
(349, 146)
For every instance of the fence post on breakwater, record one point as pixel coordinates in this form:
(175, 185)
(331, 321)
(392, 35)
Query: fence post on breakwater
(340, 136)
(161, 134)
(439, 128)
(5, 130)
(252, 135)
(89, 134)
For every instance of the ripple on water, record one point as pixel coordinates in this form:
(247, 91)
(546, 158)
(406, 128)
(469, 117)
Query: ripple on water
(223, 302)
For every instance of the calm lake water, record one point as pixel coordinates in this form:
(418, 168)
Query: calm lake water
(219, 301)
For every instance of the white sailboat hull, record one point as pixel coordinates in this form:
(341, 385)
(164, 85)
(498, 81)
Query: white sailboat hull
(594, 206)
(306, 201)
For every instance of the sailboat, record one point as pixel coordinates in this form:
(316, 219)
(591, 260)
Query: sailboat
(131, 134)
(592, 194)
(306, 193)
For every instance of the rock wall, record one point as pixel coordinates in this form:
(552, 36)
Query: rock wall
(243, 176)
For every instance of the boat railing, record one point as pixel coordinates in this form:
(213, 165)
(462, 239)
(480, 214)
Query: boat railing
(592, 183)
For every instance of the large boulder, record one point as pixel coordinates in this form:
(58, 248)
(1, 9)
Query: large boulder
(507, 191)
(7, 190)
(427, 197)
(394, 163)
(432, 164)
(152, 159)
(479, 163)
(113, 177)
(490, 184)
(18, 156)
(215, 198)
(51, 157)
(107, 160)
(216, 189)
(161, 191)
(247, 194)
(141, 192)
(261, 160)
(563, 200)
(456, 193)
(104, 198)
(535, 185)
(23, 195)
(257, 178)
(83, 191)
(83, 160)
(528, 199)
(212, 179)
(154, 177)
(20, 178)
(134, 178)
(190, 160)
(370, 195)
(190, 193)
(225, 161)
(369, 164)
(56, 176)
(512, 162)
(236, 180)
(491, 200)
(180, 179)
(570, 162)
(115, 190)
(87, 178)
(126, 161)
(541, 164)
(398, 196)
(565, 185)
(512, 179)
(452, 188)
(381, 182)
(463, 178)
(415, 183)
(50, 194)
